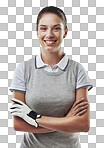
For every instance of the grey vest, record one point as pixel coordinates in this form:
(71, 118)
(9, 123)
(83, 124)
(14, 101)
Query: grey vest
(50, 94)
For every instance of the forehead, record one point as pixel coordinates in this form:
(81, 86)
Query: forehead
(50, 19)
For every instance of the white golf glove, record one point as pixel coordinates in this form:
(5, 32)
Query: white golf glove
(21, 110)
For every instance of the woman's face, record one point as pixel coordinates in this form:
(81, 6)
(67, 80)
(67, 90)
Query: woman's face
(51, 32)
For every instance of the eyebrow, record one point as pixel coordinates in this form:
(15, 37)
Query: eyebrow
(54, 25)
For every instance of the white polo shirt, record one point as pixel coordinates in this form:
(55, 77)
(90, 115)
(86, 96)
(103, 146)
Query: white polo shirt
(18, 83)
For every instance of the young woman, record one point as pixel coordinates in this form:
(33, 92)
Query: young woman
(50, 91)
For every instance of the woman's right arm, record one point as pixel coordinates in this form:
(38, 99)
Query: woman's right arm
(20, 125)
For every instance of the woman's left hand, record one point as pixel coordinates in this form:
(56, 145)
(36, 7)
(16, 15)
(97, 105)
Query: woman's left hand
(78, 108)
(21, 110)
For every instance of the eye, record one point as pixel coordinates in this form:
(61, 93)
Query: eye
(57, 28)
(43, 28)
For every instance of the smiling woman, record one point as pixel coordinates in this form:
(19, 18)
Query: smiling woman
(51, 34)
(50, 90)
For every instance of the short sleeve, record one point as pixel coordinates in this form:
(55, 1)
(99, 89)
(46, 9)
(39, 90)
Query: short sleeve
(82, 78)
(18, 83)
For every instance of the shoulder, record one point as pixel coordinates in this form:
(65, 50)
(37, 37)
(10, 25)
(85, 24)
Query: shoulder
(78, 68)
(29, 61)
(76, 65)
(19, 68)
(73, 66)
(72, 63)
(29, 65)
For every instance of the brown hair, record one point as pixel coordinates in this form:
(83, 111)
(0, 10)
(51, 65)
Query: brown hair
(54, 10)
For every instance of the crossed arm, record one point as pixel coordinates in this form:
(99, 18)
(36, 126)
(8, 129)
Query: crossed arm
(70, 123)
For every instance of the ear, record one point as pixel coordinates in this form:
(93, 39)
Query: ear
(65, 33)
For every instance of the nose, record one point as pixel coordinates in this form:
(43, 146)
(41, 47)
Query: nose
(49, 33)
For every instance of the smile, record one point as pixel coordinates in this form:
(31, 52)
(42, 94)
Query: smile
(50, 41)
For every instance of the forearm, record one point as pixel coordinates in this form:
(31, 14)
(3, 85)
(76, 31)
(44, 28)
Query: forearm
(21, 125)
(65, 124)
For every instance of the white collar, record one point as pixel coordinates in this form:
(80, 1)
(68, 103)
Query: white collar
(62, 63)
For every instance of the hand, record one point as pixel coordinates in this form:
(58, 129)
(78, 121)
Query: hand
(21, 110)
(78, 108)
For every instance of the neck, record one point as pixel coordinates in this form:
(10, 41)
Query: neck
(52, 58)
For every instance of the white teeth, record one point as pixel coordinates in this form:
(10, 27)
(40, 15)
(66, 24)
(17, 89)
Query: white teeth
(49, 42)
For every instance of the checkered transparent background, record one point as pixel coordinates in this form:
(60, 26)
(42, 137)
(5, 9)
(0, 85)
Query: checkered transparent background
(84, 43)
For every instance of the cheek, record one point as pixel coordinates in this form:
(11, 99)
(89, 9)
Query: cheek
(60, 35)
(40, 39)
(40, 34)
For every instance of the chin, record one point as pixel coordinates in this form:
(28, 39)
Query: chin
(50, 49)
